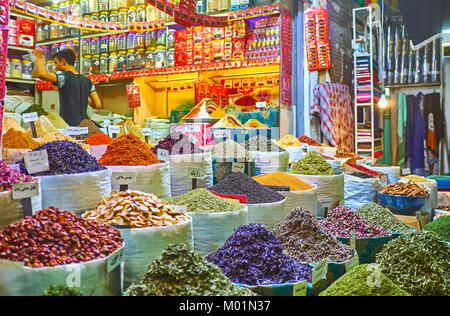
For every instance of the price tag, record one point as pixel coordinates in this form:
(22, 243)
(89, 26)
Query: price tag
(352, 263)
(123, 178)
(83, 130)
(384, 180)
(114, 260)
(114, 129)
(72, 130)
(238, 167)
(163, 154)
(261, 105)
(195, 173)
(63, 131)
(326, 202)
(300, 288)
(25, 190)
(30, 117)
(220, 133)
(406, 171)
(36, 161)
(147, 131)
(106, 123)
(157, 135)
(319, 271)
(419, 216)
(352, 241)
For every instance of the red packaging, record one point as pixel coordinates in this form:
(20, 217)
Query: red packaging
(218, 33)
(238, 52)
(240, 28)
(134, 96)
(197, 35)
(25, 34)
(218, 50)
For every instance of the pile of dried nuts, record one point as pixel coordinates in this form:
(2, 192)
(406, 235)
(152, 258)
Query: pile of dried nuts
(52, 237)
(137, 210)
(405, 189)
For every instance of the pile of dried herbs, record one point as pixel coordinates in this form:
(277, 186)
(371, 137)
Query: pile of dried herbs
(364, 280)
(441, 226)
(419, 263)
(379, 216)
(62, 290)
(312, 164)
(180, 271)
(254, 256)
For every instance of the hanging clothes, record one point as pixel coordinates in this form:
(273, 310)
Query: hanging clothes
(394, 129)
(333, 104)
(415, 135)
(434, 129)
(387, 156)
(401, 130)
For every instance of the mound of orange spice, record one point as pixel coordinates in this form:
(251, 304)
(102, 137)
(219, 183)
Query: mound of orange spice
(128, 150)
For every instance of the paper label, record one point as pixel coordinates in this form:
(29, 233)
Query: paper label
(261, 105)
(300, 288)
(147, 131)
(319, 271)
(352, 240)
(115, 260)
(106, 123)
(30, 117)
(36, 161)
(352, 263)
(326, 202)
(25, 190)
(83, 130)
(163, 154)
(384, 180)
(72, 130)
(195, 173)
(419, 216)
(220, 133)
(238, 167)
(157, 135)
(114, 129)
(406, 172)
(123, 178)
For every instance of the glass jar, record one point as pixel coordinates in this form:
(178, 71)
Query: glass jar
(140, 59)
(113, 5)
(122, 42)
(76, 47)
(95, 45)
(150, 40)
(141, 2)
(170, 39)
(150, 59)
(122, 17)
(61, 31)
(161, 40)
(27, 69)
(122, 61)
(123, 4)
(104, 45)
(55, 48)
(171, 58)
(113, 62)
(140, 41)
(131, 40)
(95, 17)
(93, 6)
(131, 60)
(86, 46)
(160, 58)
(84, 32)
(8, 68)
(104, 16)
(104, 62)
(103, 5)
(140, 13)
(74, 32)
(51, 66)
(40, 33)
(132, 15)
(113, 16)
(150, 13)
(85, 8)
(54, 34)
(87, 64)
(96, 64)
(47, 31)
(112, 43)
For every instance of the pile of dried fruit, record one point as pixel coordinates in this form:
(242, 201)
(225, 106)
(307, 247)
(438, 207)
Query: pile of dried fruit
(343, 155)
(307, 140)
(405, 189)
(137, 210)
(52, 237)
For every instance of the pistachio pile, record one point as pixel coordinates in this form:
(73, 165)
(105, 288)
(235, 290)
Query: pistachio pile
(137, 210)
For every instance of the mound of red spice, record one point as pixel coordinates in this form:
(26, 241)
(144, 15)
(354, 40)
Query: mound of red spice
(99, 139)
(128, 150)
(53, 237)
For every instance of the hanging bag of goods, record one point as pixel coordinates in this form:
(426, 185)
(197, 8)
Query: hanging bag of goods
(300, 194)
(148, 226)
(359, 189)
(293, 146)
(393, 172)
(214, 218)
(265, 206)
(129, 154)
(71, 179)
(10, 205)
(188, 163)
(269, 157)
(314, 169)
(84, 254)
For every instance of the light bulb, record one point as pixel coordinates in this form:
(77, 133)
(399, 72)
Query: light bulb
(383, 103)
(55, 1)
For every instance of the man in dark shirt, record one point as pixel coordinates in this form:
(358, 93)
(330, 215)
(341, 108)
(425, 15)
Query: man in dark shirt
(75, 90)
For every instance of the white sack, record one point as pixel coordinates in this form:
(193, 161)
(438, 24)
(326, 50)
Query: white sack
(267, 162)
(11, 156)
(359, 191)
(393, 173)
(295, 153)
(306, 199)
(268, 214)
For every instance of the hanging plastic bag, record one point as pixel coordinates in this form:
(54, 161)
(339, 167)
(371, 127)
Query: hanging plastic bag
(359, 191)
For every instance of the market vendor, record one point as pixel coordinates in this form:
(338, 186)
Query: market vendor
(75, 90)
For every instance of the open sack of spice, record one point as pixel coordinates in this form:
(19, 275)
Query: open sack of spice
(214, 218)
(75, 180)
(59, 243)
(15, 144)
(129, 154)
(11, 209)
(147, 224)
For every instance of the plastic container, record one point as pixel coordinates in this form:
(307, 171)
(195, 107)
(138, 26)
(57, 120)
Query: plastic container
(86, 46)
(103, 17)
(103, 5)
(104, 45)
(122, 61)
(16, 69)
(54, 49)
(150, 40)
(140, 59)
(95, 46)
(87, 64)
(132, 18)
(150, 59)
(104, 64)
(27, 69)
(131, 40)
(113, 16)
(140, 41)
(112, 43)
(131, 60)
(122, 42)
(96, 64)
(113, 5)
(113, 62)
(122, 17)
(160, 59)
(140, 13)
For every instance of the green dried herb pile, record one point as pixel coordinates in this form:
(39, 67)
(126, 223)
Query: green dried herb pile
(419, 263)
(364, 280)
(62, 290)
(312, 164)
(180, 271)
(441, 226)
(379, 216)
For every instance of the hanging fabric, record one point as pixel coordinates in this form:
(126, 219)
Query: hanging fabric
(401, 129)
(415, 136)
(394, 129)
(333, 104)
(434, 129)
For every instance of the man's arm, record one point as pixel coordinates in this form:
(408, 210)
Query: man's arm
(41, 71)
(94, 100)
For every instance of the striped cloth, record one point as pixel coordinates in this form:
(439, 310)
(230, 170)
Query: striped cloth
(333, 104)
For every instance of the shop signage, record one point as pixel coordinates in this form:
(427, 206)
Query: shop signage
(123, 178)
(238, 167)
(36, 161)
(319, 271)
(195, 173)
(25, 190)
(300, 288)
(30, 117)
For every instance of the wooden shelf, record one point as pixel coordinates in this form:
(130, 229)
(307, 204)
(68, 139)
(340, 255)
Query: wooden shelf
(19, 15)
(24, 81)
(18, 48)
(66, 39)
(414, 85)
